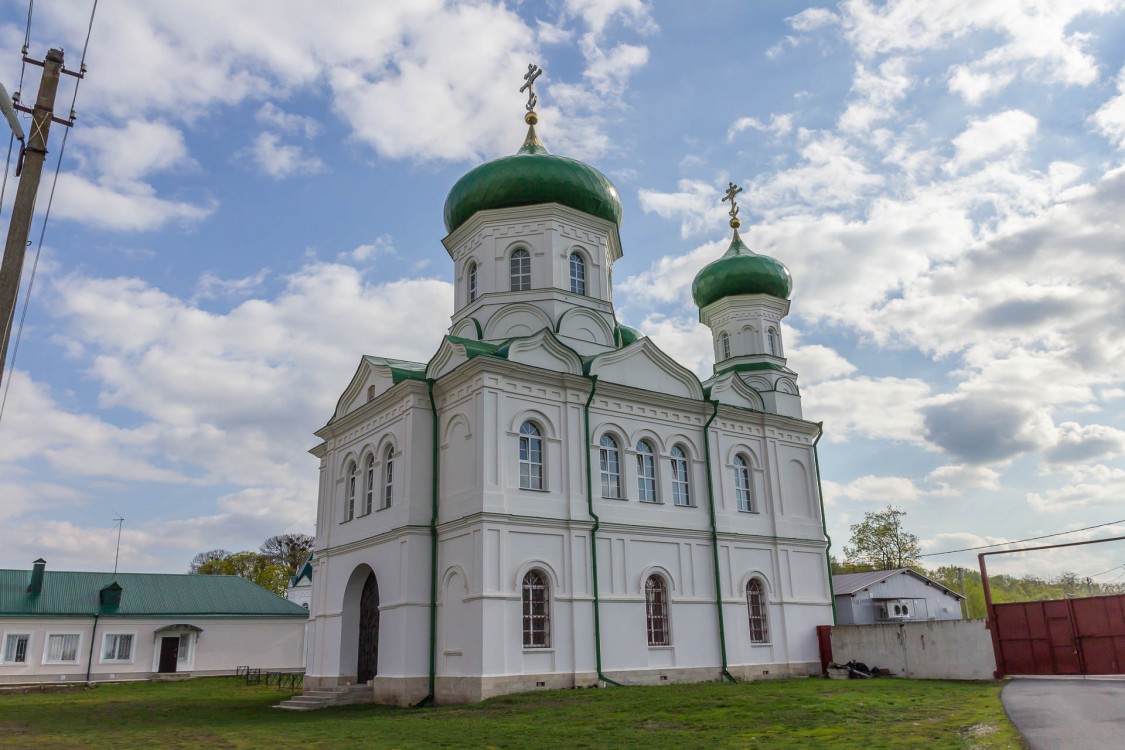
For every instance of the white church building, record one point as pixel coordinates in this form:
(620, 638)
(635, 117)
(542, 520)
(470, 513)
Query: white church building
(552, 501)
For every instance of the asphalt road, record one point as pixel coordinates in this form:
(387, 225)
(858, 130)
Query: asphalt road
(1068, 714)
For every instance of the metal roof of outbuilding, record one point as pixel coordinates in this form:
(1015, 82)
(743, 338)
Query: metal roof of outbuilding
(71, 594)
(849, 583)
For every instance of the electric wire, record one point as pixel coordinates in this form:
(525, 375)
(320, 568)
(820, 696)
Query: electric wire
(47, 211)
(1020, 541)
(1115, 567)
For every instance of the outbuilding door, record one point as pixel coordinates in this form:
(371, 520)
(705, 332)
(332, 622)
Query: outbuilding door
(169, 653)
(368, 663)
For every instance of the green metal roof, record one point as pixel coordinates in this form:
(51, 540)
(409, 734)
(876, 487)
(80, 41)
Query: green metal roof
(741, 271)
(400, 368)
(752, 367)
(143, 594)
(529, 177)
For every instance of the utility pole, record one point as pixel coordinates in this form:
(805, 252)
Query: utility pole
(33, 156)
(964, 599)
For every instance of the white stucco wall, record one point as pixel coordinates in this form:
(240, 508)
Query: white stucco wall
(271, 643)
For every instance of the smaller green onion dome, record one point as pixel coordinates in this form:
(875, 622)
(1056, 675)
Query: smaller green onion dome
(627, 335)
(528, 177)
(741, 271)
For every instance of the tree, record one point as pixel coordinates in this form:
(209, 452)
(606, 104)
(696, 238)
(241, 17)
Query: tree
(206, 557)
(253, 566)
(881, 541)
(288, 550)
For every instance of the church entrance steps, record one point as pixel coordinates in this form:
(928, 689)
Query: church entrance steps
(344, 695)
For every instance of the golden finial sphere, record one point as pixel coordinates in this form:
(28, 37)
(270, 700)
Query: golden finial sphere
(735, 223)
(531, 118)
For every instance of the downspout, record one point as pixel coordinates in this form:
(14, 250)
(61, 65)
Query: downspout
(594, 536)
(429, 699)
(824, 519)
(715, 540)
(93, 637)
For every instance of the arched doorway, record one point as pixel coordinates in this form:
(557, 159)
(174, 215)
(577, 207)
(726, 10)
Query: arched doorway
(368, 661)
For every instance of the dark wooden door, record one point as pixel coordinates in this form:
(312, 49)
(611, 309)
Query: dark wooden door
(169, 653)
(368, 665)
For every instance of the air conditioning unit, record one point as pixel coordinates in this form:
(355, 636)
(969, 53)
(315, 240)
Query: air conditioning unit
(896, 609)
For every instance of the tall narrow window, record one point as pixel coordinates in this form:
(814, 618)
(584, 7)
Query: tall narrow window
(577, 274)
(388, 476)
(349, 491)
(724, 345)
(531, 457)
(472, 282)
(656, 609)
(680, 493)
(646, 473)
(611, 467)
(536, 611)
(520, 270)
(742, 485)
(757, 611)
(771, 341)
(368, 484)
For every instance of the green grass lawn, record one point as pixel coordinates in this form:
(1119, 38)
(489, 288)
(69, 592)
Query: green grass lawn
(809, 713)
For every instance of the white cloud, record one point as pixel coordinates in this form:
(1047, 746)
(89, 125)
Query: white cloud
(815, 363)
(123, 155)
(974, 86)
(132, 207)
(954, 480)
(1109, 120)
(287, 122)
(1001, 134)
(778, 125)
(280, 160)
(875, 94)
(891, 408)
(874, 489)
(811, 19)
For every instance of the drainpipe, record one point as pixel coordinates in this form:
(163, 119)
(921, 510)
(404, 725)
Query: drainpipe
(824, 519)
(594, 536)
(429, 699)
(90, 659)
(715, 540)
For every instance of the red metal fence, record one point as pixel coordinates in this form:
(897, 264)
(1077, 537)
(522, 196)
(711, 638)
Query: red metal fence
(1072, 636)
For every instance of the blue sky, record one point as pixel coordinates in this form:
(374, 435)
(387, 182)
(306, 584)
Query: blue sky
(252, 199)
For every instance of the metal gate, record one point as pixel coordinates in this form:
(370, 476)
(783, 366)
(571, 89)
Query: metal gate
(1072, 636)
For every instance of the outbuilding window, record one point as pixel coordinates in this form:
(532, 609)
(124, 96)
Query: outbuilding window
(15, 648)
(62, 648)
(536, 610)
(118, 647)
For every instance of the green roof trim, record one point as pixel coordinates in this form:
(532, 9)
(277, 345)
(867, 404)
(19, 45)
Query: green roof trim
(752, 367)
(741, 271)
(532, 176)
(474, 348)
(400, 369)
(625, 335)
(70, 594)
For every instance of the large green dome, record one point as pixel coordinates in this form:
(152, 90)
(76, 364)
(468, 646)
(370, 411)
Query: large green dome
(741, 271)
(528, 177)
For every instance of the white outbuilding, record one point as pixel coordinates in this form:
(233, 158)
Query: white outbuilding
(552, 501)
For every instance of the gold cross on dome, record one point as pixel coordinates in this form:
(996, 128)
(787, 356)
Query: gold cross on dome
(732, 190)
(533, 72)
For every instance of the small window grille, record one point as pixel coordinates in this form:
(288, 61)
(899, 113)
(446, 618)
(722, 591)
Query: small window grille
(536, 611)
(15, 648)
(656, 608)
(758, 613)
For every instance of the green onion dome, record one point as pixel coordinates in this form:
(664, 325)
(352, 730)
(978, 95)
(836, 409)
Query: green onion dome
(626, 335)
(741, 271)
(528, 177)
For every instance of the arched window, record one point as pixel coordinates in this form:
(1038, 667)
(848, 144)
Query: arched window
(758, 612)
(656, 609)
(646, 473)
(611, 467)
(577, 274)
(472, 282)
(724, 345)
(680, 493)
(536, 610)
(519, 270)
(388, 476)
(742, 492)
(531, 457)
(771, 341)
(349, 491)
(368, 483)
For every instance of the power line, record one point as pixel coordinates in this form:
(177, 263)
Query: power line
(1115, 567)
(1020, 541)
